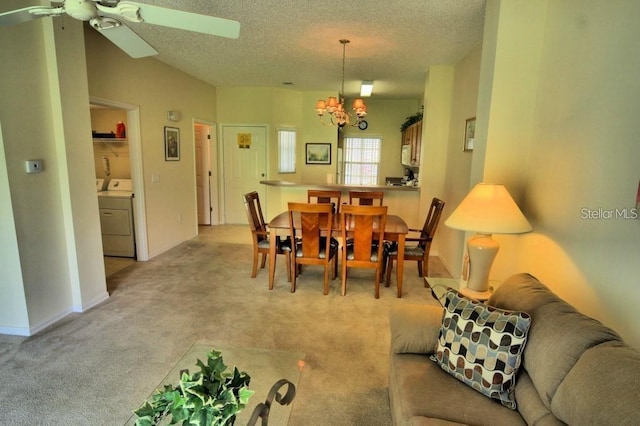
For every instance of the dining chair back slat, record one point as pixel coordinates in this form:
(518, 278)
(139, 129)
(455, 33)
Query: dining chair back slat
(310, 231)
(362, 238)
(325, 197)
(363, 232)
(366, 198)
(420, 251)
(310, 234)
(260, 234)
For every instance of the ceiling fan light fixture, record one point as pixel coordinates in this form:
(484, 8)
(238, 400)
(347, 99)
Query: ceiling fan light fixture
(128, 11)
(108, 16)
(366, 88)
(81, 10)
(104, 23)
(334, 106)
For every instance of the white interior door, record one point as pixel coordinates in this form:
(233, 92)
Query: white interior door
(245, 165)
(203, 173)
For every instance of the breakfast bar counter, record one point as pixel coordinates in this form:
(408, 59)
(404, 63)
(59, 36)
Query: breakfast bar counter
(335, 186)
(401, 200)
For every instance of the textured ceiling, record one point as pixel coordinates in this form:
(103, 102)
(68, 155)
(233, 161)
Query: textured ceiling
(392, 42)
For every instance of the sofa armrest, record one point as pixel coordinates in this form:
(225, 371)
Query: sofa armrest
(415, 328)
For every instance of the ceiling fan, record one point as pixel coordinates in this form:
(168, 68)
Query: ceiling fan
(107, 17)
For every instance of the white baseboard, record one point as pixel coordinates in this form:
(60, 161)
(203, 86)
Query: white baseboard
(44, 324)
(96, 301)
(23, 331)
(15, 331)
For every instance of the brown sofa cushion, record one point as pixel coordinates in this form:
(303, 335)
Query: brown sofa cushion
(602, 388)
(558, 335)
(530, 406)
(414, 328)
(419, 388)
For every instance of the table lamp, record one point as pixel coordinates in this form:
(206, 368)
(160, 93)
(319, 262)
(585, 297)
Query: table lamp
(487, 209)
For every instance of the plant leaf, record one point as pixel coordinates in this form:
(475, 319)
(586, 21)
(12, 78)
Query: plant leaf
(211, 396)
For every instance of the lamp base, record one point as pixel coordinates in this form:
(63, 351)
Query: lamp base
(478, 295)
(482, 251)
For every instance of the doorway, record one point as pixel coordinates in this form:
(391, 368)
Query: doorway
(206, 172)
(135, 158)
(245, 165)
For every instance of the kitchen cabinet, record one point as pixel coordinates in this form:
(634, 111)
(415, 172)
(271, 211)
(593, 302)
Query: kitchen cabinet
(411, 144)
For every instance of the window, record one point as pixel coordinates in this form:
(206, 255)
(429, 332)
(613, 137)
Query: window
(361, 160)
(286, 151)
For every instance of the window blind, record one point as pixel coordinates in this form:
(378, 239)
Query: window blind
(361, 160)
(286, 151)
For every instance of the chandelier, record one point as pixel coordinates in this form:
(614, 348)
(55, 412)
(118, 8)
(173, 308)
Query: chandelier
(334, 107)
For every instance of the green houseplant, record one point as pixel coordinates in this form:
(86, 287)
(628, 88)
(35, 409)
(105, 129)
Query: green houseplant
(211, 396)
(411, 120)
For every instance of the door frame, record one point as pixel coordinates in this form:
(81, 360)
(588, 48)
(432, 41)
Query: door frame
(221, 165)
(137, 177)
(211, 150)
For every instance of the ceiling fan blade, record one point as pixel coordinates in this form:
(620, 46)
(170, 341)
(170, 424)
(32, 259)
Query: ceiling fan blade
(26, 14)
(184, 20)
(127, 40)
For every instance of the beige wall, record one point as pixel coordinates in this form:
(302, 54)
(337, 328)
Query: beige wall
(557, 109)
(58, 265)
(16, 218)
(156, 88)
(451, 98)
(584, 145)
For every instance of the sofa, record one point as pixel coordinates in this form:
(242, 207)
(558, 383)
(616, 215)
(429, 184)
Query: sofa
(572, 369)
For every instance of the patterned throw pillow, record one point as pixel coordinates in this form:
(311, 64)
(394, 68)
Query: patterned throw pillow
(481, 346)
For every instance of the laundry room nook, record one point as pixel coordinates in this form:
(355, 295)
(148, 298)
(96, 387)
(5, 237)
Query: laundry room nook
(113, 186)
(108, 146)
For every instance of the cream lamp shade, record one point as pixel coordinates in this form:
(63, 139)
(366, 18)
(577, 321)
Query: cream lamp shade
(487, 209)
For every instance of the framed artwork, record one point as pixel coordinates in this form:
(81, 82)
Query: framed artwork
(244, 140)
(318, 153)
(171, 144)
(469, 133)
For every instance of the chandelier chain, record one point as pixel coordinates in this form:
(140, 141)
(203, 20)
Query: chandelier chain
(344, 50)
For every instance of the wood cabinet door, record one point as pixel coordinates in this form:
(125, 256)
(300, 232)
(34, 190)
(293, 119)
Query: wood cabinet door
(416, 143)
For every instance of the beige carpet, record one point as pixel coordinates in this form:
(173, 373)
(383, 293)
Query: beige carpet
(95, 368)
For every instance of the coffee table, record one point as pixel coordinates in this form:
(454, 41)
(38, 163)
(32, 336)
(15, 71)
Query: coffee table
(264, 366)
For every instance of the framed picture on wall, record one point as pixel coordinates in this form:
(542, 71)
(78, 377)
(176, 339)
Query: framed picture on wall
(469, 133)
(171, 144)
(318, 153)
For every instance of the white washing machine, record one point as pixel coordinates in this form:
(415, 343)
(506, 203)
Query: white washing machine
(116, 218)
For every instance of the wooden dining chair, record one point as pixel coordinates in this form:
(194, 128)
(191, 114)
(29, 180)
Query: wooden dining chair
(419, 252)
(325, 196)
(260, 235)
(366, 198)
(363, 230)
(310, 229)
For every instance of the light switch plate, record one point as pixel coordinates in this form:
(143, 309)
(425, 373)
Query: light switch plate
(33, 166)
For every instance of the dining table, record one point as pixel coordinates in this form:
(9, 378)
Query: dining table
(395, 229)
